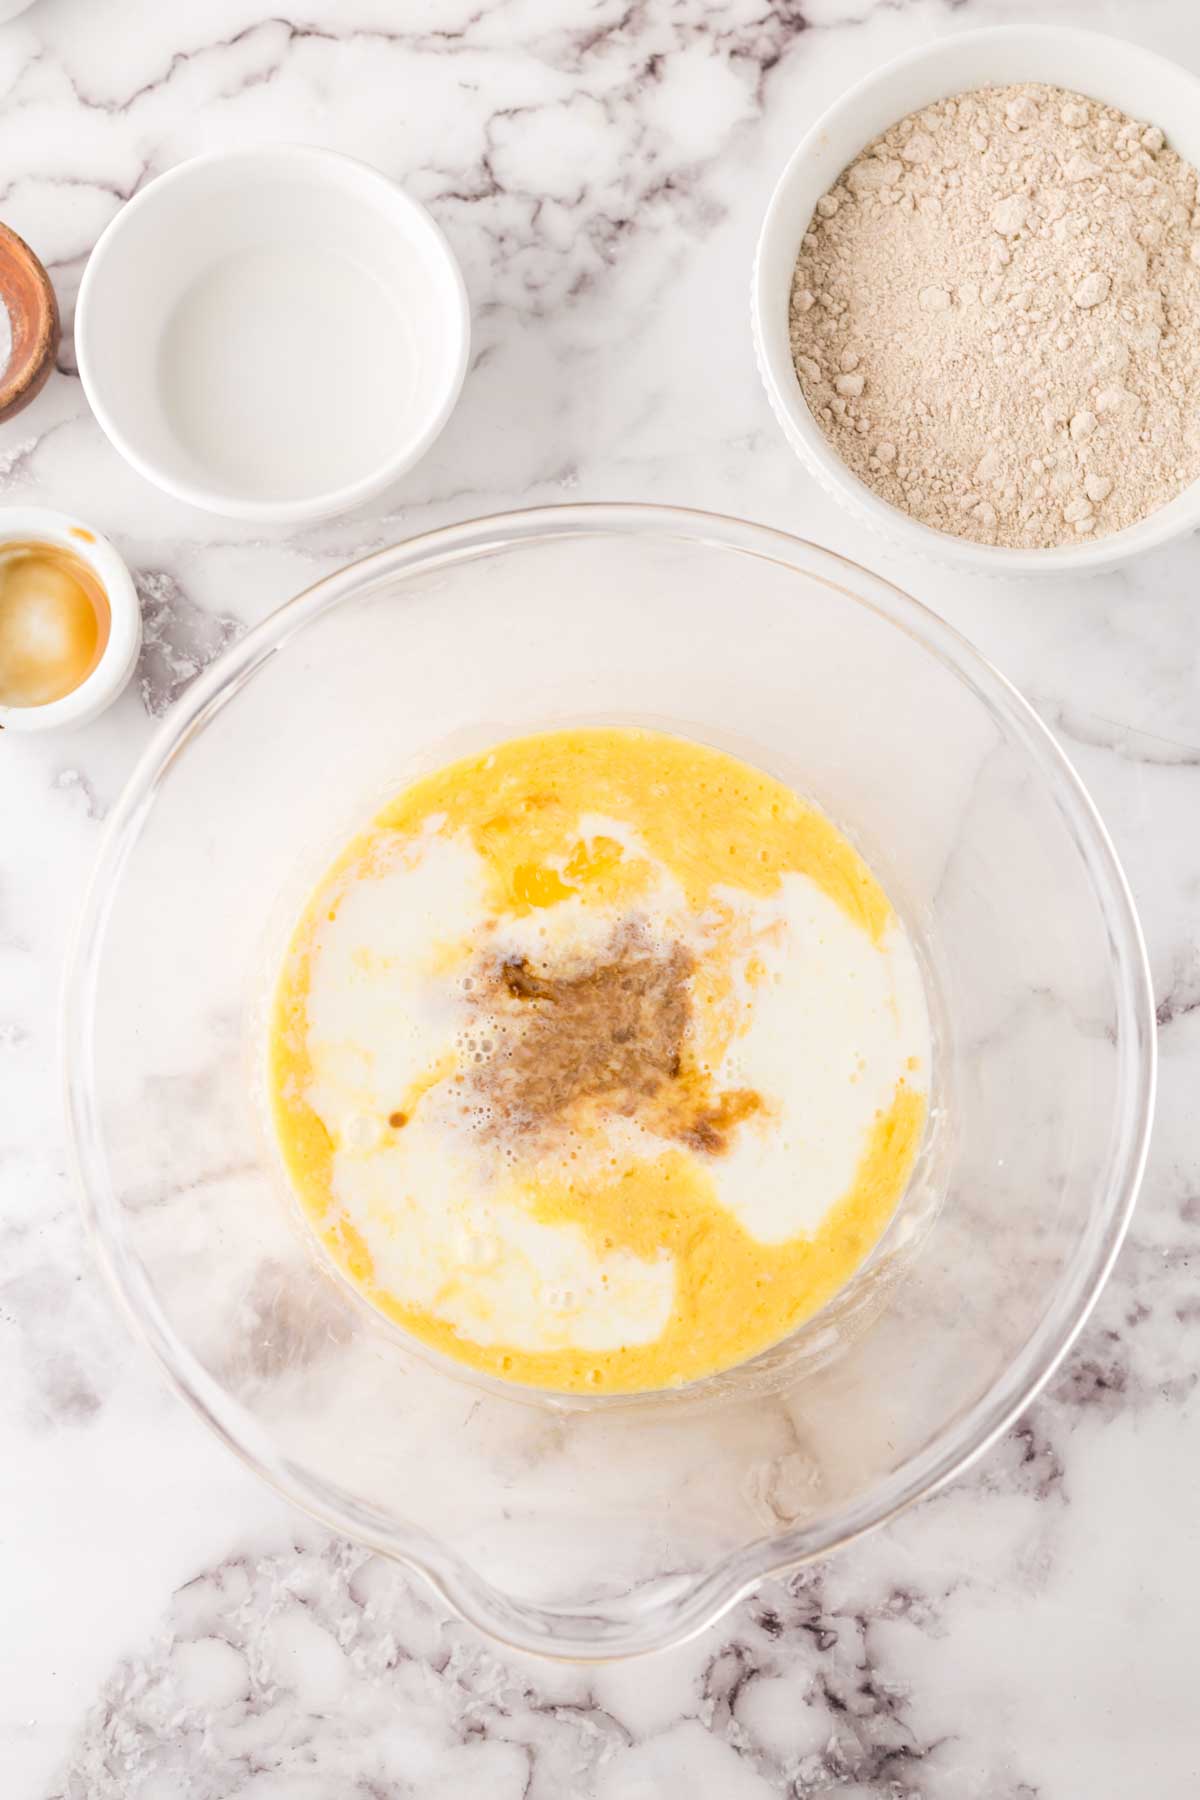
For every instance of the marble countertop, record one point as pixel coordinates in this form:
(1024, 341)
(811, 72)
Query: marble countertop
(169, 1627)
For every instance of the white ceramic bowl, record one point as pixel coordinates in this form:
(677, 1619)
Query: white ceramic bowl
(35, 524)
(1137, 81)
(274, 333)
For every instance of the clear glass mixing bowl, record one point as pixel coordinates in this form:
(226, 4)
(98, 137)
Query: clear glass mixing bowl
(604, 1527)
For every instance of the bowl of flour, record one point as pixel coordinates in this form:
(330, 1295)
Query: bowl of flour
(976, 300)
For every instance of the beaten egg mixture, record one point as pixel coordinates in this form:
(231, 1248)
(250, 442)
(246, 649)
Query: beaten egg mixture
(599, 1061)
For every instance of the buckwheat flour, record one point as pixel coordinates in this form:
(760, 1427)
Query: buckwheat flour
(995, 317)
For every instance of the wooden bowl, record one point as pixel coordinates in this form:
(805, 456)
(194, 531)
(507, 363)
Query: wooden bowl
(26, 291)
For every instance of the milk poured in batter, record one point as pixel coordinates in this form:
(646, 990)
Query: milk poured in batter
(600, 1060)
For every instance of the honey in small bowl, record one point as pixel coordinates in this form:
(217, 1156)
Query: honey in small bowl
(54, 623)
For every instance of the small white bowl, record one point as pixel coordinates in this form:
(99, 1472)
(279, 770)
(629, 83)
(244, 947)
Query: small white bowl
(274, 333)
(35, 524)
(1137, 81)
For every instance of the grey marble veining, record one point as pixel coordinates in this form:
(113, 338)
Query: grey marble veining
(170, 1628)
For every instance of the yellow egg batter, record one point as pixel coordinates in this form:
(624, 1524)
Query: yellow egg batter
(609, 975)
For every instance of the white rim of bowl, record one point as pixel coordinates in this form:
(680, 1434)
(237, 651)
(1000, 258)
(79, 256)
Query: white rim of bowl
(335, 500)
(890, 524)
(116, 665)
(688, 1605)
